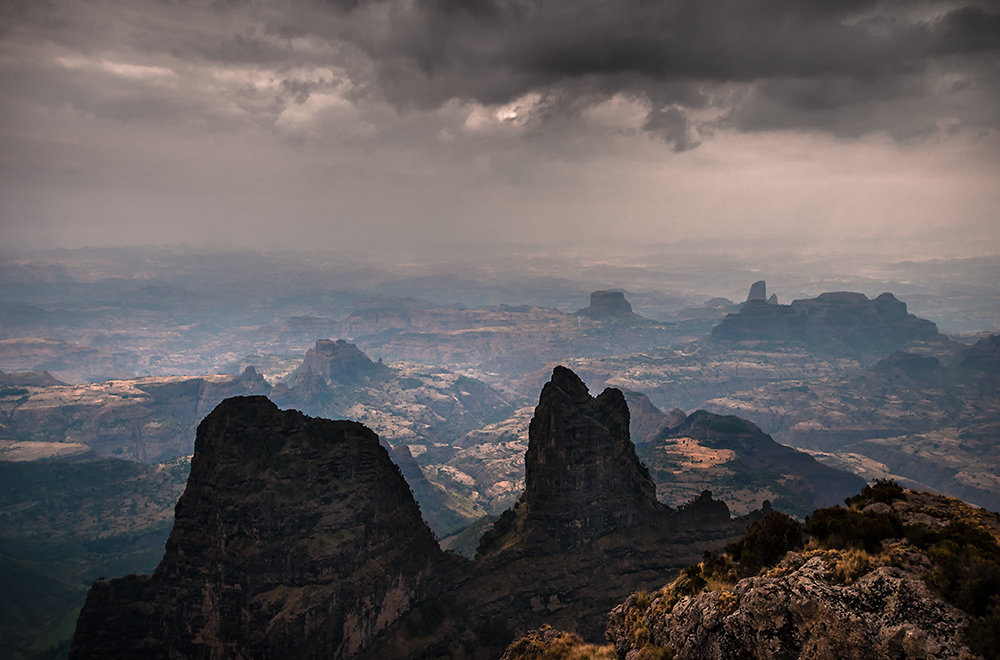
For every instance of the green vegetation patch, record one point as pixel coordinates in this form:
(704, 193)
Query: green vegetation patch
(966, 573)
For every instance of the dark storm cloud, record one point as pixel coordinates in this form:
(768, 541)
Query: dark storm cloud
(821, 64)
(846, 67)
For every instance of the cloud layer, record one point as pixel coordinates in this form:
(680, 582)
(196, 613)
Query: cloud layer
(389, 99)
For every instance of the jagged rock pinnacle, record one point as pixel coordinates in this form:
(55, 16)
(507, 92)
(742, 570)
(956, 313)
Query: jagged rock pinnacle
(582, 477)
(758, 291)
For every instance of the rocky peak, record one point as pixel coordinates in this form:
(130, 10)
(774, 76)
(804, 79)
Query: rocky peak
(582, 477)
(758, 291)
(607, 304)
(338, 361)
(890, 308)
(295, 537)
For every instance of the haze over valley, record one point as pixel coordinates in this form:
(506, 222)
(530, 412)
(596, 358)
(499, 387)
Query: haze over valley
(368, 328)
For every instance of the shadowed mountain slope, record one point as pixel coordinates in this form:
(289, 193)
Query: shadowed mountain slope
(295, 537)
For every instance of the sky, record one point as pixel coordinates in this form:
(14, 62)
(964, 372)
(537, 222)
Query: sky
(463, 127)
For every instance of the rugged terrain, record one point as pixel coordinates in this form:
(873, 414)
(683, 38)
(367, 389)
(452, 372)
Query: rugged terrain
(927, 419)
(741, 465)
(894, 575)
(263, 481)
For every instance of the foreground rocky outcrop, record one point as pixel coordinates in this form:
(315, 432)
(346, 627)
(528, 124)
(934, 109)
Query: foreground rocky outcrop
(797, 610)
(895, 575)
(295, 537)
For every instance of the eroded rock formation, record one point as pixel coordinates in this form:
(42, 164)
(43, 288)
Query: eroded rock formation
(295, 537)
(758, 291)
(582, 477)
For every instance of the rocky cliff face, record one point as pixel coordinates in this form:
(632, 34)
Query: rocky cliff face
(582, 477)
(840, 321)
(295, 537)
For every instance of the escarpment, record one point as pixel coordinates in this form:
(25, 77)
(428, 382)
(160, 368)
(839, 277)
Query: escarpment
(295, 537)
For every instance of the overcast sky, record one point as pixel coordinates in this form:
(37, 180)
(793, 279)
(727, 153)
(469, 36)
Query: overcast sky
(808, 124)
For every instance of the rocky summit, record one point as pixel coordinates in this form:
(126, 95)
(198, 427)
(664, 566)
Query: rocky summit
(582, 477)
(296, 537)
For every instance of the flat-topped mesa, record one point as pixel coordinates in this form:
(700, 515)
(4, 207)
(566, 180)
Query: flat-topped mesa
(608, 304)
(295, 538)
(582, 477)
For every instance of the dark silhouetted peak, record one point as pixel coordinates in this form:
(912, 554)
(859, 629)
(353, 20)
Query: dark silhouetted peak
(758, 291)
(295, 538)
(338, 361)
(582, 477)
(704, 508)
(773, 300)
(607, 304)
